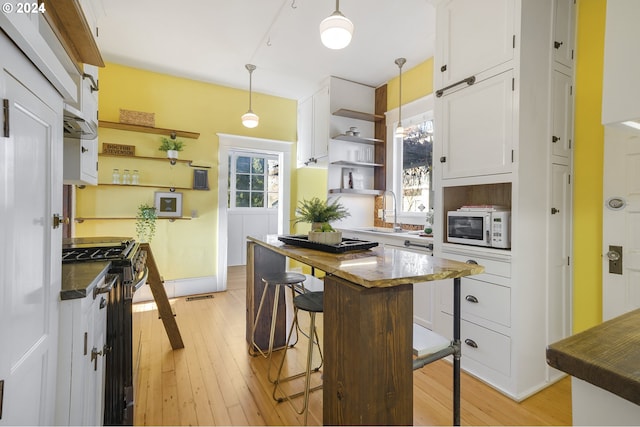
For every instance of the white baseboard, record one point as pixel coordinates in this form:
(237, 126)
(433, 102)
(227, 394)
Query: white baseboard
(181, 287)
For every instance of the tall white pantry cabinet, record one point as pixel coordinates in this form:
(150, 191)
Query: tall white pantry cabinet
(503, 76)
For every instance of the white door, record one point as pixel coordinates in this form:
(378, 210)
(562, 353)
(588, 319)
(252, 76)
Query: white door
(621, 225)
(30, 249)
(253, 200)
(559, 292)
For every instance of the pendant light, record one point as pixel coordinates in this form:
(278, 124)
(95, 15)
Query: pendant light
(336, 30)
(250, 119)
(400, 130)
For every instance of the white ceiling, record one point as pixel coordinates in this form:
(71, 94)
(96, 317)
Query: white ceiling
(212, 40)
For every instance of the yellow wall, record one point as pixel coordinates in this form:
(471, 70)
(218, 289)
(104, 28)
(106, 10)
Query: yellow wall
(182, 249)
(588, 166)
(417, 81)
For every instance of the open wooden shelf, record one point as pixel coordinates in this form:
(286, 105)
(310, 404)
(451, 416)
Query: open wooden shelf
(191, 163)
(364, 192)
(168, 187)
(358, 139)
(80, 220)
(358, 115)
(148, 129)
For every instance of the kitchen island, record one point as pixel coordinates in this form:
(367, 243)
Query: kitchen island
(604, 362)
(368, 306)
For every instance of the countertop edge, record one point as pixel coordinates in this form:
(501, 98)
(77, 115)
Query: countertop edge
(79, 279)
(594, 365)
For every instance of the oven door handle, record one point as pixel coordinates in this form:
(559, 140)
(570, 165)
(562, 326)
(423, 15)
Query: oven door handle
(110, 282)
(142, 281)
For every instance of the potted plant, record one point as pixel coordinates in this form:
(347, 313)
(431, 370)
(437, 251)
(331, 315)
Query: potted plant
(146, 222)
(171, 146)
(319, 213)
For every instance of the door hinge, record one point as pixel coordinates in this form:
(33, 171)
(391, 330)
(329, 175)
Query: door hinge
(1, 396)
(5, 115)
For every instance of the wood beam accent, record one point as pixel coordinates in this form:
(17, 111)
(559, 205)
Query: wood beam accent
(380, 132)
(67, 21)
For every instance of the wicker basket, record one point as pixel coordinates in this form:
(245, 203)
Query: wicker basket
(137, 118)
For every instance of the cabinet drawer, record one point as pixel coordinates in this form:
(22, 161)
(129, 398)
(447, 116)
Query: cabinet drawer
(487, 347)
(481, 301)
(491, 266)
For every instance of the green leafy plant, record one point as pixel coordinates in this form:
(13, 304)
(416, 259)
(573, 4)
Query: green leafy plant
(171, 144)
(316, 210)
(146, 222)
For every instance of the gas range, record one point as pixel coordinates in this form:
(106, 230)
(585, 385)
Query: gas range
(128, 262)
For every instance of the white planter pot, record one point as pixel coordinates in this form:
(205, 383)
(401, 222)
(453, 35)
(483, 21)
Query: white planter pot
(172, 154)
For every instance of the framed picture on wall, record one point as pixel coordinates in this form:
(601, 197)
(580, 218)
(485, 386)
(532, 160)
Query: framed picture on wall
(168, 205)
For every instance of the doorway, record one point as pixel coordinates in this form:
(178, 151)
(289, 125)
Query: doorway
(279, 152)
(252, 200)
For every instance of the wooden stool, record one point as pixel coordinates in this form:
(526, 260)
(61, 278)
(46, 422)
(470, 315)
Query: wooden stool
(311, 302)
(295, 281)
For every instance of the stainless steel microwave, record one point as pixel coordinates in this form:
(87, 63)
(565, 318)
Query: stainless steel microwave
(480, 227)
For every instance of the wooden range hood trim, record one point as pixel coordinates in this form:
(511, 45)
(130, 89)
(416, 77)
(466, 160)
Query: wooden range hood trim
(67, 21)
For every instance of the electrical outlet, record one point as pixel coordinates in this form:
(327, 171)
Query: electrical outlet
(380, 213)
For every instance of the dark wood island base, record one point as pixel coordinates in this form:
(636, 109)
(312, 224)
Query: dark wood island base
(368, 317)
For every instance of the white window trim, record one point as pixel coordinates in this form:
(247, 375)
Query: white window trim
(412, 113)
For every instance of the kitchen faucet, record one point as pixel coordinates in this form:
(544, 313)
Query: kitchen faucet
(396, 227)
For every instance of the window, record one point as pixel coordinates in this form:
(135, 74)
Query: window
(252, 181)
(413, 171)
(417, 161)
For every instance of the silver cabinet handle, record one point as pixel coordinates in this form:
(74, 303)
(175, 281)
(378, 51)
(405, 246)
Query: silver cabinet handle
(471, 298)
(471, 343)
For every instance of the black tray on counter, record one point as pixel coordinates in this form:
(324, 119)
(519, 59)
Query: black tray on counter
(346, 245)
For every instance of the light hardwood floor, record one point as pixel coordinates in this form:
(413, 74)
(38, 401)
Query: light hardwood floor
(213, 380)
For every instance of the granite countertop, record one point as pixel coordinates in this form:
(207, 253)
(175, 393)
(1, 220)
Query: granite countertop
(376, 267)
(607, 356)
(79, 279)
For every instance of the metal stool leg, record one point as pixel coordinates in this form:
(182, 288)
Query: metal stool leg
(307, 373)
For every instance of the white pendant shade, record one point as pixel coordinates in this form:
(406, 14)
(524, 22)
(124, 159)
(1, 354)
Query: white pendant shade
(400, 130)
(336, 31)
(250, 119)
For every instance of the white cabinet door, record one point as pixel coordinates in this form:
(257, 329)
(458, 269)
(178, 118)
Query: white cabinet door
(313, 129)
(81, 161)
(562, 115)
(321, 123)
(305, 130)
(473, 37)
(477, 128)
(563, 32)
(30, 255)
(559, 293)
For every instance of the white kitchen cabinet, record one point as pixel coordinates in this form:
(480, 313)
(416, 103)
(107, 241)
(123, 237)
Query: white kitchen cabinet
(527, 289)
(620, 88)
(80, 161)
(476, 129)
(563, 32)
(80, 151)
(313, 129)
(473, 38)
(81, 358)
(30, 254)
(562, 116)
(559, 293)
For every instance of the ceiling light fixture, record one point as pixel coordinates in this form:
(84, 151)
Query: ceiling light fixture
(400, 130)
(336, 30)
(250, 119)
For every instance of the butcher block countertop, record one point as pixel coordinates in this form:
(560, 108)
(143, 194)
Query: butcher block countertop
(374, 268)
(607, 356)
